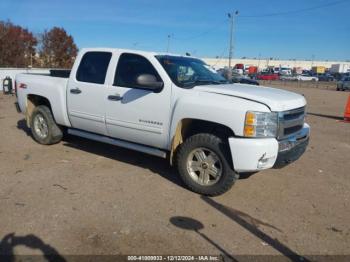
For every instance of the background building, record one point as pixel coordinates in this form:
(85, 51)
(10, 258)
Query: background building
(264, 63)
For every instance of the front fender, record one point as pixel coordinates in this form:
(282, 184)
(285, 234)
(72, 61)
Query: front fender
(222, 109)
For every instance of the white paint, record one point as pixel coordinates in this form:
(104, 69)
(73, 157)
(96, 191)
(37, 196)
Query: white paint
(161, 112)
(12, 72)
(246, 153)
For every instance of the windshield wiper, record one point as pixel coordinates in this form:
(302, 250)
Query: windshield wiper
(204, 81)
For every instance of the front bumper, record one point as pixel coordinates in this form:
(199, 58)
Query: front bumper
(293, 148)
(255, 154)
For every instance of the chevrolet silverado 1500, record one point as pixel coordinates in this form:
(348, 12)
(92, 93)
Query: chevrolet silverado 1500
(169, 106)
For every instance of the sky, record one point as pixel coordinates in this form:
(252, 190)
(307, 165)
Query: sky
(298, 29)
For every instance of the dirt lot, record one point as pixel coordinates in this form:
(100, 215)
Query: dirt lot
(82, 197)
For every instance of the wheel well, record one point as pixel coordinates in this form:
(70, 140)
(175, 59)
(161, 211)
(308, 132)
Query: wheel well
(32, 102)
(39, 100)
(189, 127)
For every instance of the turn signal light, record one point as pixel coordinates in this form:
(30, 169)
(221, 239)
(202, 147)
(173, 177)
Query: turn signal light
(249, 131)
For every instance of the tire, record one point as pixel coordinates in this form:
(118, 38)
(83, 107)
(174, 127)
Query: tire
(43, 126)
(214, 148)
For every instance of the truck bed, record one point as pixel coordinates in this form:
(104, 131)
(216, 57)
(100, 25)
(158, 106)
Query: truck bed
(53, 88)
(62, 73)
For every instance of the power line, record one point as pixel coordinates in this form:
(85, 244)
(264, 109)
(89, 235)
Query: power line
(261, 15)
(297, 10)
(201, 34)
(220, 57)
(216, 26)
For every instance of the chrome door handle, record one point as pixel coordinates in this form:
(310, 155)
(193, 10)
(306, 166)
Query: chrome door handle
(115, 97)
(75, 91)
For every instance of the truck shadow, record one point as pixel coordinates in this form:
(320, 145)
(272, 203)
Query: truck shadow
(252, 225)
(326, 116)
(10, 241)
(190, 224)
(22, 125)
(153, 163)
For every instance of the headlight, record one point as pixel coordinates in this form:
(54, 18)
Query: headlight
(260, 124)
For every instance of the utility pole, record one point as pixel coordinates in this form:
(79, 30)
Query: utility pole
(231, 16)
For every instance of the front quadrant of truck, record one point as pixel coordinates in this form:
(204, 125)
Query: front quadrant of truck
(168, 105)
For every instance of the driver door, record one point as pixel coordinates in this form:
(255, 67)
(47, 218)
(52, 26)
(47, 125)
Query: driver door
(135, 113)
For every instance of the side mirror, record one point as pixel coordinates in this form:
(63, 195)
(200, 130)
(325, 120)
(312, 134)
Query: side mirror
(148, 81)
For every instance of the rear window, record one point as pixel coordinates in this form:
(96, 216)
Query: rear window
(93, 67)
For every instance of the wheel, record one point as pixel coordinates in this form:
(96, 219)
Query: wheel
(44, 129)
(204, 165)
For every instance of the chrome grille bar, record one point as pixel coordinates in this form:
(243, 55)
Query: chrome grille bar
(290, 122)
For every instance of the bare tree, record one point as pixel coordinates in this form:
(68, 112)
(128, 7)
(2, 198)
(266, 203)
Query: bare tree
(57, 49)
(17, 45)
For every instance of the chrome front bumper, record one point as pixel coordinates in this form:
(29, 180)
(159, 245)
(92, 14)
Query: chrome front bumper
(293, 147)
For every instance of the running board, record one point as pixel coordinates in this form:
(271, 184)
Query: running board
(117, 142)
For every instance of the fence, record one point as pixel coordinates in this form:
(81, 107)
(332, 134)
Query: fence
(300, 84)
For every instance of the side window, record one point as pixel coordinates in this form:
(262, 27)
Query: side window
(184, 73)
(93, 67)
(131, 66)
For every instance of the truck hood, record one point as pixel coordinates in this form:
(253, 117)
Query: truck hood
(276, 99)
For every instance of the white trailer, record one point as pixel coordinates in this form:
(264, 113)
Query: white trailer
(340, 68)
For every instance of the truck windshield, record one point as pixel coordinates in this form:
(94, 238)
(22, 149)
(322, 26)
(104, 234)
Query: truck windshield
(188, 72)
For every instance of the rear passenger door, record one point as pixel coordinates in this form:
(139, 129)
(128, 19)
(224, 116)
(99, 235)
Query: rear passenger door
(86, 92)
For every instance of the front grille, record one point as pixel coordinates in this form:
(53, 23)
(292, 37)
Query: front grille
(290, 122)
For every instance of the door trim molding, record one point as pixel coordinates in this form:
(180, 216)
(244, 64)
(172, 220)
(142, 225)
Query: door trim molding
(86, 116)
(132, 125)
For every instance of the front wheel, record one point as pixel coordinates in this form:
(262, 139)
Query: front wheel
(44, 129)
(203, 162)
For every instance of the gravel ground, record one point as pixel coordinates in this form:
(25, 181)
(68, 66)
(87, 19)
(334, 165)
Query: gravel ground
(83, 197)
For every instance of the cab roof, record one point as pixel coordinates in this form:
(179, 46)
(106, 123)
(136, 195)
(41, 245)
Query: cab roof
(133, 51)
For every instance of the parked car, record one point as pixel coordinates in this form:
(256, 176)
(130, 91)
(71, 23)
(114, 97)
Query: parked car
(268, 76)
(344, 84)
(288, 78)
(285, 71)
(168, 106)
(248, 81)
(305, 77)
(325, 77)
(236, 78)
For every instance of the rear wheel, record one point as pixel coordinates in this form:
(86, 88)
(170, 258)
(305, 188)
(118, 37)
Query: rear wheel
(44, 129)
(203, 162)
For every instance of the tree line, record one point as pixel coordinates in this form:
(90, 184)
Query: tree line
(19, 47)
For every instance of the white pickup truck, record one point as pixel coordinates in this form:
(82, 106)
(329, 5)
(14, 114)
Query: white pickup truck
(169, 106)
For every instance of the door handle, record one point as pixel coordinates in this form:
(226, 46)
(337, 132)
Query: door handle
(115, 97)
(75, 91)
